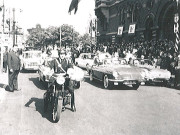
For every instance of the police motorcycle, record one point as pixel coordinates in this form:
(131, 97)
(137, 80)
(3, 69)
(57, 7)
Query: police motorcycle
(59, 94)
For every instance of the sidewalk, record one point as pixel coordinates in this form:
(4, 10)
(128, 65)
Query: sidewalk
(3, 84)
(3, 78)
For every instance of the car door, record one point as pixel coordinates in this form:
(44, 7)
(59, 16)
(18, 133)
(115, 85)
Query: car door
(98, 72)
(81, 60)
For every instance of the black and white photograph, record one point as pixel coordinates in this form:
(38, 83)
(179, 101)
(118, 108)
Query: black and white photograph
(89, 67)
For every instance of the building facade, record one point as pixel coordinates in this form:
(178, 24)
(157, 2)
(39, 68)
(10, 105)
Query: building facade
(134, 20)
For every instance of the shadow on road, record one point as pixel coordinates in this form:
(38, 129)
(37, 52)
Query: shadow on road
(38, 84)
(5, 86)
(99, 84)
(28, 71)
(39, 104)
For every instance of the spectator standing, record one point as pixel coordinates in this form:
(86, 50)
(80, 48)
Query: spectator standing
(14, 68)
(5, 58)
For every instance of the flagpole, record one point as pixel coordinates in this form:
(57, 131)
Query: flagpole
(176, 28)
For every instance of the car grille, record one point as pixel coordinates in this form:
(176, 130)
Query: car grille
(128, 76)
(33, 64)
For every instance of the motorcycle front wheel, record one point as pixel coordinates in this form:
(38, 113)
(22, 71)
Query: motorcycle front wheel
(57, 109)
(45, 102)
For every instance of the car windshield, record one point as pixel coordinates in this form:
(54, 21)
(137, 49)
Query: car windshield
(88, 56)
(115, 62)
(107, 62)
(119, 61)
(32, 55)
(143, 62)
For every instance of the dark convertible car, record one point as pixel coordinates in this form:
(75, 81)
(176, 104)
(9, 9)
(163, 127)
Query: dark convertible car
(117, 71)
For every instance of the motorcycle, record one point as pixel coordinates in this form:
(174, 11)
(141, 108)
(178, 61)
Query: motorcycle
(59, 95)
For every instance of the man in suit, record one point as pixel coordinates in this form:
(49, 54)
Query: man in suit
(13, 68)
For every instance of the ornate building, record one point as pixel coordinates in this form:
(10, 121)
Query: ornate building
(130, 20)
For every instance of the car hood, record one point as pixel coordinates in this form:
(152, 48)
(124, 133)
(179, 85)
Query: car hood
(156, 70)
(126, 71)
(123, 68)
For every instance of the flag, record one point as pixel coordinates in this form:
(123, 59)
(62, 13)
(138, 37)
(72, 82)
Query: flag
(74, 6)
(94, 25)
(90, 27)
(1, 7)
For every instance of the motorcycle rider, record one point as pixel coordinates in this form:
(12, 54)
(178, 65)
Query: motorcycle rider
(61, 65)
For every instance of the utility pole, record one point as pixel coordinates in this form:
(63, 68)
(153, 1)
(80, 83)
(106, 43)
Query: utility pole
(2, 38)
(72, 36)
(13, 27)
(60, 36)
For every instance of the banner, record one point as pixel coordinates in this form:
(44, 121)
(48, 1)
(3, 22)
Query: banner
(132, 28)
(120, 30)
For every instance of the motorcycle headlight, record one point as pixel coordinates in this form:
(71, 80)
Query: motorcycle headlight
(115, 74)
(60, 80)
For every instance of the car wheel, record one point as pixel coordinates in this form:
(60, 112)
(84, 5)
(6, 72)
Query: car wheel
(165, 84)
(76, 64)
(106, 82)
(136, 86)
(39, 78)
(77, 84)
(23, 69)
(87, 69)
(91, 76)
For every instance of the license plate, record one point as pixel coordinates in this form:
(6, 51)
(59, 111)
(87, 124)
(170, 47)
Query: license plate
(116, 83)
(129, 82)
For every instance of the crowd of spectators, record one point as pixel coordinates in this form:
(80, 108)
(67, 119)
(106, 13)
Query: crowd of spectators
(161, 52)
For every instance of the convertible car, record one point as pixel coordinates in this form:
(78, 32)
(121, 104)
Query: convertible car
(116, 71)
(45, 73)
(153, 73)
(85, 60)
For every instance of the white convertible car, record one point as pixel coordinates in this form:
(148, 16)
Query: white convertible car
(153, 74)
(85, 60)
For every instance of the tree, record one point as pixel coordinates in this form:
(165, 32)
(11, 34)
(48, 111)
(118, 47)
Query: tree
(36, 37)
(39, 37)
(87, 39)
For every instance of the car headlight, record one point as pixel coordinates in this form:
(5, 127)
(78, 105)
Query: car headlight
(115, 74)
(168, 74)
(60, 80)
(143, 74)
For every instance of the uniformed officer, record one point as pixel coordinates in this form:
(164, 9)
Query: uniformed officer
(61, 65)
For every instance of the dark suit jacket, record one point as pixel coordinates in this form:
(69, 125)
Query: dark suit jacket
(64, 64)
(13, 61)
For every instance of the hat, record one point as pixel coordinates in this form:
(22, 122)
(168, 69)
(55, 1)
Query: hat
(62, 52)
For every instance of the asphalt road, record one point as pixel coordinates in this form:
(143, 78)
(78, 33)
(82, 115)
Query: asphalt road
(150, 110)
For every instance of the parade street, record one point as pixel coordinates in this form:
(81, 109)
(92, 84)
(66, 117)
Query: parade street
(150, 110)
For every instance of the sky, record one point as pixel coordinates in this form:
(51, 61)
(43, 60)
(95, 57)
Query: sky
(52, 13)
